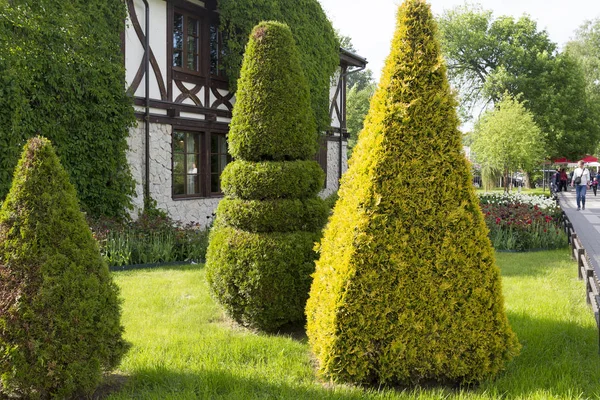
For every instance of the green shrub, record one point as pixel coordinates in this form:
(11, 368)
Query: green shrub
(313, 34)
(272, 179)
(62, 73)
(60, 322)
(260, 253)
(272, 89)
(281, 215)
(261, 279)
(406, 288)
(152, 238)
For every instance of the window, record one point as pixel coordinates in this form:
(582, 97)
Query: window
(197, 45)
(186, 42)
(199, 158)
(217, 51)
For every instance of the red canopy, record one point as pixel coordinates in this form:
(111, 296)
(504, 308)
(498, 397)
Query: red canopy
(562, 160)
(590, 159)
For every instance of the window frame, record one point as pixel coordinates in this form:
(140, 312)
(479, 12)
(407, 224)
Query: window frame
(185, 33)
(204, 171)
(206, 18)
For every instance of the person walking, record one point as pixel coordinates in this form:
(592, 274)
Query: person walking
(563, 181)
(581, 178)
(594, 185)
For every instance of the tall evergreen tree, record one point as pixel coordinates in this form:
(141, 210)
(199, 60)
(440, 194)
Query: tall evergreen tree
(260, 255)
(406, 288)
(60, 314)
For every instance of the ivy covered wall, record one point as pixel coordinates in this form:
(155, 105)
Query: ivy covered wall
(312, 31)
(62, 76)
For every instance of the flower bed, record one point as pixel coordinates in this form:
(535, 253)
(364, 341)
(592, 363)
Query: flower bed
(522, 222)
(150, 239)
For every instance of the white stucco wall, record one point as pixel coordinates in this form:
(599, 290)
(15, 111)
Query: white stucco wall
(134, 50)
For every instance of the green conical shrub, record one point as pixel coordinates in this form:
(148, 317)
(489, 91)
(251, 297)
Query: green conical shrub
(60, 324)
(272, 118)
(260, 255)
(406, 289)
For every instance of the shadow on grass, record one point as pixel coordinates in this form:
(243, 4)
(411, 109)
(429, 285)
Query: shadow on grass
(532, 263)
(557, 358)
(162, 383)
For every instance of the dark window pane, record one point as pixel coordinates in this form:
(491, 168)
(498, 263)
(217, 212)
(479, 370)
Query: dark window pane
(214, 50)
(223, 162)
(222, 145)
(177, 58)
(215, 185)
(214, 144)
(178, 163)
(178, 40)
(193, 26)
(214, 163)
(178, 31)
(178, 187)
(178, 142)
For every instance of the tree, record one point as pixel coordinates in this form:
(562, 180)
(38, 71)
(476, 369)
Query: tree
(60, 327)
(260, 256)
(406, 289)
(488, 57)
(507, 139)
(586, 49)
(357, 106)
(359, 79)
(361, 88)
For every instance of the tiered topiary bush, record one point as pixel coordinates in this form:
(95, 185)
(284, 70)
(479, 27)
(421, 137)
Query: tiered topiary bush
(260, 255)
(60, 324)
(406, 289)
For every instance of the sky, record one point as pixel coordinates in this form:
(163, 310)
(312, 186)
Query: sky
(371, 24)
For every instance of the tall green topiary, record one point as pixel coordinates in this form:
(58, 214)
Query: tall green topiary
(260, 255)
(406, 288)
(59, 309)
(313, 34)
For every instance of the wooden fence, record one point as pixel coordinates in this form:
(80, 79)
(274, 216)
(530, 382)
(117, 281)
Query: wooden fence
(585, 271)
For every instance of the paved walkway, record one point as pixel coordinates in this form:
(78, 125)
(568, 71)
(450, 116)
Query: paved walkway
(586, 223)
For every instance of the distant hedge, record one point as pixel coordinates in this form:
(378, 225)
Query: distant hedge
(62, 76)
(312, 31)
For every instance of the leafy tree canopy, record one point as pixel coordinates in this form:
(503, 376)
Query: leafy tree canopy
(487, 57)
(507, 138)
(357, 107)
(586, 49)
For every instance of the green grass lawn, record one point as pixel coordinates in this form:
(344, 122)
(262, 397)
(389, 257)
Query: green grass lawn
(183, 347)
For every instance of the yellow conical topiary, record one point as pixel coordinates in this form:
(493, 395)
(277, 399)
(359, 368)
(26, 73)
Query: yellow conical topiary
(406, 288)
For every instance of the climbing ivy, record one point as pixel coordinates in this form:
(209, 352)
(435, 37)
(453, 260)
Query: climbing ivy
(312, 31)
(62, 76)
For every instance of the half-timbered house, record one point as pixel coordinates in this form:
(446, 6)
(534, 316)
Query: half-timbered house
(178, 148)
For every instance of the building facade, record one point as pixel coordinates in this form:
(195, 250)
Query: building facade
(183, 106)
